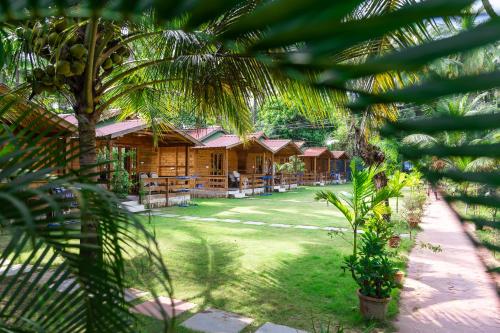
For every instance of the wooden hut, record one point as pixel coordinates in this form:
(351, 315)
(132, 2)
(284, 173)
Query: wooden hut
(317, 165)
(205, 134)
(159, 167)
(339, 166)
(24, 114)
(229, 166)
(282, 150)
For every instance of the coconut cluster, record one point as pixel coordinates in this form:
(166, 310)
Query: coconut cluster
(60, 41)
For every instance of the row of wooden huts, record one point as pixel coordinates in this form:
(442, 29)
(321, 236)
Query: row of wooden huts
(171, 165)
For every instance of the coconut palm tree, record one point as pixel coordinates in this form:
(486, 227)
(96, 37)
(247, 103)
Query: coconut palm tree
(46, 285)
(365, 200)
(142, 67)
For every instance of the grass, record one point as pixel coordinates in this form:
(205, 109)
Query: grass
(294, 207)
(285, 276)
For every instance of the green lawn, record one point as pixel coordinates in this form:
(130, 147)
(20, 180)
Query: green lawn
(294, 207)
(285, 276)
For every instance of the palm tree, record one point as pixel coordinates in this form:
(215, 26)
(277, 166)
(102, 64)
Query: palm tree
(46, 286)
(141, 67)
(365, 200)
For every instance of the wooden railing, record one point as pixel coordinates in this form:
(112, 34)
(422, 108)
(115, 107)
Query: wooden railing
(251, 181)
(210, 182)
(162, 189)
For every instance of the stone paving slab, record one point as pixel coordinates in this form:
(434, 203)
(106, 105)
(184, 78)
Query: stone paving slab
(254, 223)
(45, 277)
(153, 309)
(66, 284)
(168, 215)
(217, 321)
(230, 220)
(15, 269)
(311, 227)
(187, 217)
(274, 328)
(133, 294)
(279, 225)
(209, 219)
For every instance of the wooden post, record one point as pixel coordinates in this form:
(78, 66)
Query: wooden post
(329, 169)
(253, 182)
(226, 169)
(272, 173)
(110, 163)
(315, 170)
(167, 190)
(187, 161)
(345, 169)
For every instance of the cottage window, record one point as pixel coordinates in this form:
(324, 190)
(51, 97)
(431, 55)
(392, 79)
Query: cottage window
(217, 160)
(259, 164)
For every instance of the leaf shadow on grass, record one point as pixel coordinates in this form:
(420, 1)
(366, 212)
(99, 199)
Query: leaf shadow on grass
(211, 265)
(307, 288)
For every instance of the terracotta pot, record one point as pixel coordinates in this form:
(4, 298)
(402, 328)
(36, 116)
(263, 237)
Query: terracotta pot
(394, 241)
(413, 221)
(373, 308)
(399, 277)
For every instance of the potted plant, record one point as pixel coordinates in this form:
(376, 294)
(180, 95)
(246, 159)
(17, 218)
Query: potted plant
(399, 277)
(395, 241)
(374, 273)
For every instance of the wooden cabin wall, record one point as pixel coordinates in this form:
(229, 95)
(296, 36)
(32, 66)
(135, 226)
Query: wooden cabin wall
(251, 165)
(202, 160)
(173, 161)
(232, 163)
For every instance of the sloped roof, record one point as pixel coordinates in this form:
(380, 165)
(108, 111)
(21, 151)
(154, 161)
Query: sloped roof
(300, 143)
(258, 135)
(121, 128)
(32, 113)
(204, 132)
(278, 144)
(339, 154)
(315, 152)
(69, 118)
(229, 141)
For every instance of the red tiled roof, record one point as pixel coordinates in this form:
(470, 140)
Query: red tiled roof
(121, 128)
(300, 144)
(315, 151)
(223, 141)
(258, 135)
(338, 154)
(202, 133)
(70, 118)
(278, 144)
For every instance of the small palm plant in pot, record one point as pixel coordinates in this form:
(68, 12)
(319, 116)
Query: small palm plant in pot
(374, 273)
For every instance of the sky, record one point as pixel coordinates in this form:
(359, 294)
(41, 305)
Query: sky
(495, 4)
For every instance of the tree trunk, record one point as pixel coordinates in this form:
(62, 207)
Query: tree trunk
(88, 159)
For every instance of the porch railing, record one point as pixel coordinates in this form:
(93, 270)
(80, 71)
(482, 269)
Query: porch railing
(162, 189)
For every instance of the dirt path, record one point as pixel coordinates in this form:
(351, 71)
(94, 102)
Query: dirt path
(447, 291)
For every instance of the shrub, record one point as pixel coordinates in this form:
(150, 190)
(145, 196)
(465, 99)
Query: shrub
(372, 269)
(121, 183)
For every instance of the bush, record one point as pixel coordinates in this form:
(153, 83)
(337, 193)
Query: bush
(121, 183)
(371, 268)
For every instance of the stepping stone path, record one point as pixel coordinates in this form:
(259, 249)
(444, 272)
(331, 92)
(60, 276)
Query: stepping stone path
(153, 309)
(66, 284)
(274, 328)
(169, 215)
(45, 277)
(254, 223)
(310, 227)
(133, 294)
(217, 321)
(209, 219)
(14, 269)
(230, 220)
(279, 225)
